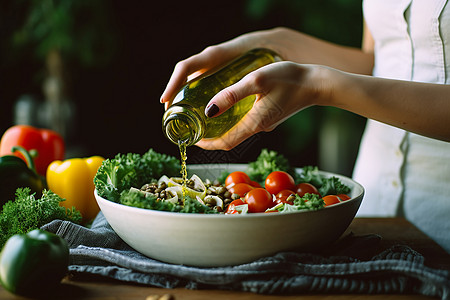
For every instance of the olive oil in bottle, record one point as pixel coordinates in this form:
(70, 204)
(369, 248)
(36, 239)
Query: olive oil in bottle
(185, 120)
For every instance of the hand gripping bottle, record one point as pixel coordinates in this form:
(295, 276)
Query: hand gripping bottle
(184, 122)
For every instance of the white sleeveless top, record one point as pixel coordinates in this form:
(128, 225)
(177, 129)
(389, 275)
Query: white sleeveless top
(406, 174)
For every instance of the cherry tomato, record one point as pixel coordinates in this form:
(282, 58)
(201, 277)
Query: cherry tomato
(237, 202)
(331, 199)
(258, 200)
(255, 184)
(231, 209)
(343, 197)
(306, 188)
(278, 181)
(241, 189)
(237, 177)
(282, 196)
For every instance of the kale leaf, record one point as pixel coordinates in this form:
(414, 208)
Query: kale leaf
(311, 175)
(326, 186)
(333, 186)
(307, 202)
(126, 170)
(266, 163)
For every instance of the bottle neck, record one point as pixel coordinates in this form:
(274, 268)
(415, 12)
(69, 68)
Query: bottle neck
(181, 124)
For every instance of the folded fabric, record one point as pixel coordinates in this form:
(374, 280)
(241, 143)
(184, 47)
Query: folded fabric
(400, 269)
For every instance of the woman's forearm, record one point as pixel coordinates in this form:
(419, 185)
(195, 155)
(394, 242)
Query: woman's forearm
(302, 48)
(422, 108)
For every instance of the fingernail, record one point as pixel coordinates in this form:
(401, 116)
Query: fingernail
(211, 110)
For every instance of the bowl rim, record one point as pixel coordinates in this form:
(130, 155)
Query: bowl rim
(249, 215)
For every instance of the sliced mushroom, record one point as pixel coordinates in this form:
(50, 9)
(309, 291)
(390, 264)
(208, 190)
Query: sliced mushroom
(213, 201)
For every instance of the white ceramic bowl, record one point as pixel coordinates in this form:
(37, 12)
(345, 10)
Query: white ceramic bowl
(221, 240)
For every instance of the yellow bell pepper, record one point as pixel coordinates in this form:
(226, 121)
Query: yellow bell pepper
(73, 180)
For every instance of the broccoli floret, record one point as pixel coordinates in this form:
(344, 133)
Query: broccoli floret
(27, 212)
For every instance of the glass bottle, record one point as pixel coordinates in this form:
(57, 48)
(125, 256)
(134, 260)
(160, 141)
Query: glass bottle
(185, 122)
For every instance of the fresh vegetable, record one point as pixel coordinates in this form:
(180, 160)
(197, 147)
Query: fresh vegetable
(73, 180)
(311, 175)
(194, 187)
(33, 264)
(266, 163)
(14, 173)
(127, 170)
(237, 206)
(48, 144)
(28, 212)
(306, 188)
(241, 189)
(137, 199)
(333, 186)
(307, 202)
(278, 181)
(237, 177)
(123, 180)
(325, 186)
(255, 184)
(344, 197)
(285, 196)
(331, 199)
(258, 200)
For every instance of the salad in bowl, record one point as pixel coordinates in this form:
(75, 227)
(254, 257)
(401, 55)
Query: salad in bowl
(225, 214)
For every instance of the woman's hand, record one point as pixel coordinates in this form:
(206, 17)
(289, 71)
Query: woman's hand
(281, 90)
(291, 45)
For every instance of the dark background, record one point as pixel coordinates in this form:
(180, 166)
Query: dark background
(116, 89)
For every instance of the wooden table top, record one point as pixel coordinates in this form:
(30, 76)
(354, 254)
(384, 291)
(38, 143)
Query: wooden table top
(392, 230)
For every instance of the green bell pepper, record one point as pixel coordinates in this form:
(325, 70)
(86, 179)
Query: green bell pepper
(15, 173)
(34, 263)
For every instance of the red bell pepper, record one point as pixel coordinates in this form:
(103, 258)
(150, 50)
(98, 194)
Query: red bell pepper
(48, 143)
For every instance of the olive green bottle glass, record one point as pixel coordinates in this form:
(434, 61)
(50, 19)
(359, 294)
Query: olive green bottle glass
(185, 120)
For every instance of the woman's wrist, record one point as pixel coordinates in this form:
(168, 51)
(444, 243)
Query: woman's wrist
(326, 86)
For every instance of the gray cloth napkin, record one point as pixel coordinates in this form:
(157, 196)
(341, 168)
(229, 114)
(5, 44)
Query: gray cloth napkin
(99, 250)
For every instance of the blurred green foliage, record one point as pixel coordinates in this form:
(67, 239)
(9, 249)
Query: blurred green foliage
(338, 21)
(79, 29)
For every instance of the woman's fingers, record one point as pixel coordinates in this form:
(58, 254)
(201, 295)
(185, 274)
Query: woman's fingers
(252, 84)
(264, 116)
(195, 65)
